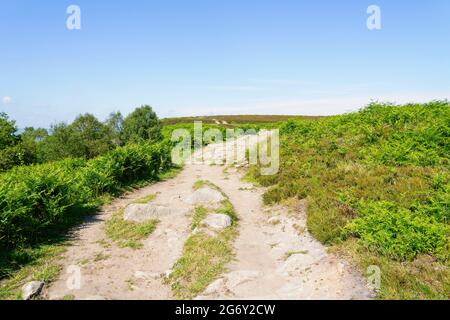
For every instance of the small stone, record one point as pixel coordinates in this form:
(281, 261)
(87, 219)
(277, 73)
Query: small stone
(217, 221)
(32, 289)
(167, 273)
(144, 212)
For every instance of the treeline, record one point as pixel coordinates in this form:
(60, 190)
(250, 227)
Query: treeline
(81, 162)
(86, 137)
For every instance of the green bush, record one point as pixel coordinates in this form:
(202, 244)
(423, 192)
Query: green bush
(32, 198)
(398, 232)
(379, 178)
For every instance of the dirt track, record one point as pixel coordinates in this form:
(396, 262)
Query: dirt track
(275, 256)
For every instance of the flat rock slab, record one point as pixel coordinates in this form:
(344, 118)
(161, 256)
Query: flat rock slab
(205, 195)
(214, 287)
(32, 289)
(297, 263)
(217, 221)
(236, 278)
(144, 212)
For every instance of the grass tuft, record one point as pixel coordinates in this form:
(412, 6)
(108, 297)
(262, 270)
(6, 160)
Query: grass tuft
(127, 233)
(145, 199)
(204, 256)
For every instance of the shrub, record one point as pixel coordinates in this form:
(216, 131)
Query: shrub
(378, 178)
(398, 232)
(33, 198)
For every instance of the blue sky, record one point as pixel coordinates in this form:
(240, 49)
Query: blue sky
(203, 57)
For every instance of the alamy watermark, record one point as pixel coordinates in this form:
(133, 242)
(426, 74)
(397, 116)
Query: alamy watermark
(227, 147)
(374, 277)
(374, 20)
(73, 281)
(73, 21)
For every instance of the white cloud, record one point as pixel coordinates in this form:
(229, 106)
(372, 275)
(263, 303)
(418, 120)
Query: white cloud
(6, 100)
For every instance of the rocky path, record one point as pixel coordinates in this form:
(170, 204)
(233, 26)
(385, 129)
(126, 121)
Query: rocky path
(275, 256)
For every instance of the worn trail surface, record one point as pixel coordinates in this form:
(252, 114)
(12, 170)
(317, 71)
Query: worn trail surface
(275, 256)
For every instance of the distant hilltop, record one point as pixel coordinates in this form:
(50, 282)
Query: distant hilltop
(223, 119)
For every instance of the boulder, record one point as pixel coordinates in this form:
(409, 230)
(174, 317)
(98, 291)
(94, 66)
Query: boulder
(32, 289)
(205, 195)
(144, 212)
(217, 221)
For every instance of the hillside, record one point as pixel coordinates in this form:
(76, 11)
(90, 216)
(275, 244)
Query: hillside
(377, 187)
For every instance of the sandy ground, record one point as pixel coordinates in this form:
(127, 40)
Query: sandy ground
(275, 256)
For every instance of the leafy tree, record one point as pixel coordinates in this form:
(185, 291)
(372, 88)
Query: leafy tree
(86, 138)
(10, 153)
(32, 134)
(8, 131)
(30, 141)
(141, 125)
(115, 124)
(58, 145)
(92, 136)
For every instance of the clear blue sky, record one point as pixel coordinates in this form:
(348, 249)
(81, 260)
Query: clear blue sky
(218, 57)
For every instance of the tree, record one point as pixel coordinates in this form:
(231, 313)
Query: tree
(17, 149)
(58, 145)
(32, 134)
(85, 138)
(115, 124)
(8, 131)
(141, 125)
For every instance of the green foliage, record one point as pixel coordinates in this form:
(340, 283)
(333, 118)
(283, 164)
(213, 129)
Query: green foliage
(36, 197)
(398, 232)
(380, 175)
(12, 151)
(7, 131)
(115, 125)
(198, 216)
(141, 125)
(230, 120)
(128, 233)
(85, 138)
